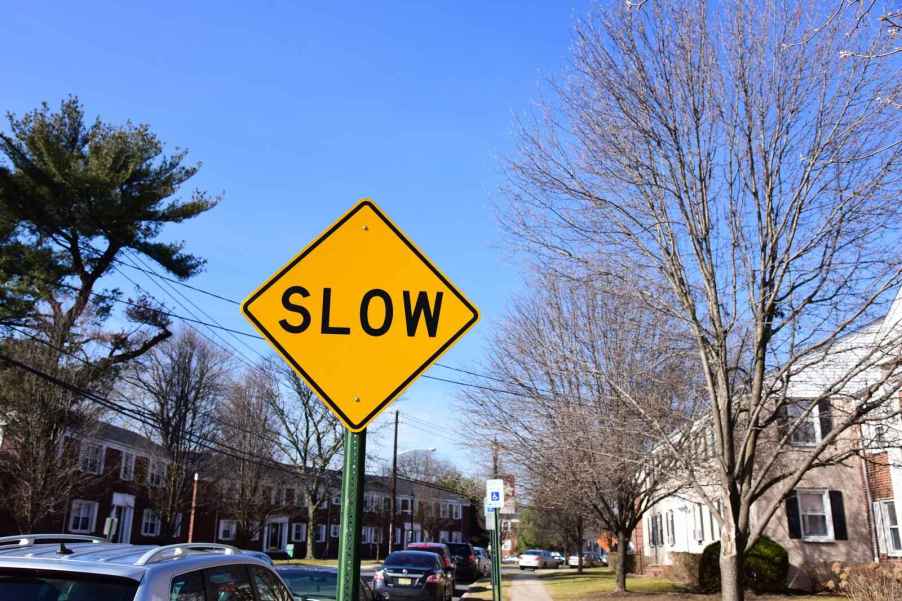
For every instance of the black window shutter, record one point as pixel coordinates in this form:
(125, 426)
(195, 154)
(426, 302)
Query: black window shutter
(839, 515)
(825, 414)
(792, 516)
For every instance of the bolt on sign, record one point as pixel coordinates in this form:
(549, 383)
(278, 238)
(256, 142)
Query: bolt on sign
(360, 313)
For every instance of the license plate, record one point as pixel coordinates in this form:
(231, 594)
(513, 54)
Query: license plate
(405, 581)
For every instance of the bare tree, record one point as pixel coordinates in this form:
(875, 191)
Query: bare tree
(249, 475)
(758, 178)
(310, 437)
(42, 421)
(179, 385)
(578, 371)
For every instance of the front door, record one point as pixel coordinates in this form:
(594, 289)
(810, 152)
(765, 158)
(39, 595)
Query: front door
(276, 535)
(123, 510)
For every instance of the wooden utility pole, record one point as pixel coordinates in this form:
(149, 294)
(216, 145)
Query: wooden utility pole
(394, 489)
(193, 510)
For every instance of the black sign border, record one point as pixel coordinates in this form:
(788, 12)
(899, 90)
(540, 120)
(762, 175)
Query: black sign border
(245, 308)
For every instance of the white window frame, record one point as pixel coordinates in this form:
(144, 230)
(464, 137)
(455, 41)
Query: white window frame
(334, 530)
(443, 536)
(828, 513)
(94, 505)
(82, 452)
(456, 511)
(813, 417)
(444, 510)
(150, 517)
(321, 533)
(299, 532)
(886, 528)
(397, 536)
(669, 527)
(457, 536)
(156, 472)
(177, 529)
(127, 467)
(402, 501)
(230, 526)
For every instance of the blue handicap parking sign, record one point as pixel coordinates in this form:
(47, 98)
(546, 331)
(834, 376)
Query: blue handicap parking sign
(496, 496)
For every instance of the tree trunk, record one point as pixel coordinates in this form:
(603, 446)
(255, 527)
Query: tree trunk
(623, 544)
(311, 528)
(731, 584)
(732, 551)
(579, 537)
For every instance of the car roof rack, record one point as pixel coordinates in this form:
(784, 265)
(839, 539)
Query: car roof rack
(178, 550)
(27, 540)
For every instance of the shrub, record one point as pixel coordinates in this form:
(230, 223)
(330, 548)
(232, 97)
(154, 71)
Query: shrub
(766, 566)
(867, 583)
(686, 567)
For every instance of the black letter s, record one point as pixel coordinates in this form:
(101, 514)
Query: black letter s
(304, 313)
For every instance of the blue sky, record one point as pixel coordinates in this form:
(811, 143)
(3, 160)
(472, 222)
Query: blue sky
(298, 111)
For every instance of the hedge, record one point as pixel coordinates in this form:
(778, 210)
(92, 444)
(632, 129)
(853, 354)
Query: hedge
(766, 567)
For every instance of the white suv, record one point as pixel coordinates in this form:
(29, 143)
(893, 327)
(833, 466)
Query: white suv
(64, 567)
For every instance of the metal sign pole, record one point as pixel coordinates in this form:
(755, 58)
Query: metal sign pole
(496, 557)
(351, 508)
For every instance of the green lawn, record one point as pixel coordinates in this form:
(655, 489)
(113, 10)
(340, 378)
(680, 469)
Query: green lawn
(565, 585)
(597, 584)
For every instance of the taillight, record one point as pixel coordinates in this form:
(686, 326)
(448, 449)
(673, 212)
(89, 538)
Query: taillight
(472, 559)
(432, 579)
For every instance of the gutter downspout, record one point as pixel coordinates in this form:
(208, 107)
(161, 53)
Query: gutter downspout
(872, 529)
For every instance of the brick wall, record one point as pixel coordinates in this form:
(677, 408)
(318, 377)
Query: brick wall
(880, 481)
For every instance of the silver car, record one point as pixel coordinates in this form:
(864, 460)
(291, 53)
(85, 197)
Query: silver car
(65, 567)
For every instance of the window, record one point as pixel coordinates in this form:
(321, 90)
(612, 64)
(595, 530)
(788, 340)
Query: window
(177, 525)
(698, 519)
(443, 536)
(90, 458)
(444, 510)
(455, 511)
(456, 537)
(83, 517)
(227, 529)
(386, 504)
(397, 536)
(336, 499)
(187, 587)
(127, 469)
(321, 533)
(268, 586)
(366, 535)
(816, 515)
(333, 531)
(813, 510)
(229, 582)
(150, 523)
(888, 524)
(299, 532)
(405, 505)
(655, 530)
(813, 427)
(156, 471)
(254, 528)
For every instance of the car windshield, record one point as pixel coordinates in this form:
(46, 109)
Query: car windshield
(459, 549)
(415, 560)
(16, 585)
(311, 584)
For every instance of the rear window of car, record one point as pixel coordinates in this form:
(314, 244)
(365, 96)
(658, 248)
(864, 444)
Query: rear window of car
(410, 559)
(310, 583)
(16, 585)
(533, 552)
(459, 549)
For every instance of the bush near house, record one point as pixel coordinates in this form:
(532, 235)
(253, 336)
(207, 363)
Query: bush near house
(686, 568)
(872, 582)
(766, 566)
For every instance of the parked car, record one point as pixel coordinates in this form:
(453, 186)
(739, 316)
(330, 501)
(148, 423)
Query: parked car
(309, 583)
(440, 549)
(558, 558)
(589, 560)
(483, 560)
(66, 567)
(259, 555)
(413, 576)
(535, 559)
(465, 565)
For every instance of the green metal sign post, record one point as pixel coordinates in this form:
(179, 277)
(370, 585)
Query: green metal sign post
(351, 508)
(496, 557)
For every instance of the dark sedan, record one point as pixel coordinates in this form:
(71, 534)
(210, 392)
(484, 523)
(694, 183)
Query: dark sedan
(413, 576)
(317, 584)
(466, 566)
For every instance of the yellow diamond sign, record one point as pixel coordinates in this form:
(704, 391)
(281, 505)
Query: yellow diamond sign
(360, 313)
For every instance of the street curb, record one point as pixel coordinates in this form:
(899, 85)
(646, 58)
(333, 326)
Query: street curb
(482, 581)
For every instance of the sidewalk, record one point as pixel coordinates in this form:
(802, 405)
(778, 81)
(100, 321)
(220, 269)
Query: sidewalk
(527, 587)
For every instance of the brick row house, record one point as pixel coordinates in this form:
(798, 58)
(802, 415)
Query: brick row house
(123, 471)
(850, 512)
